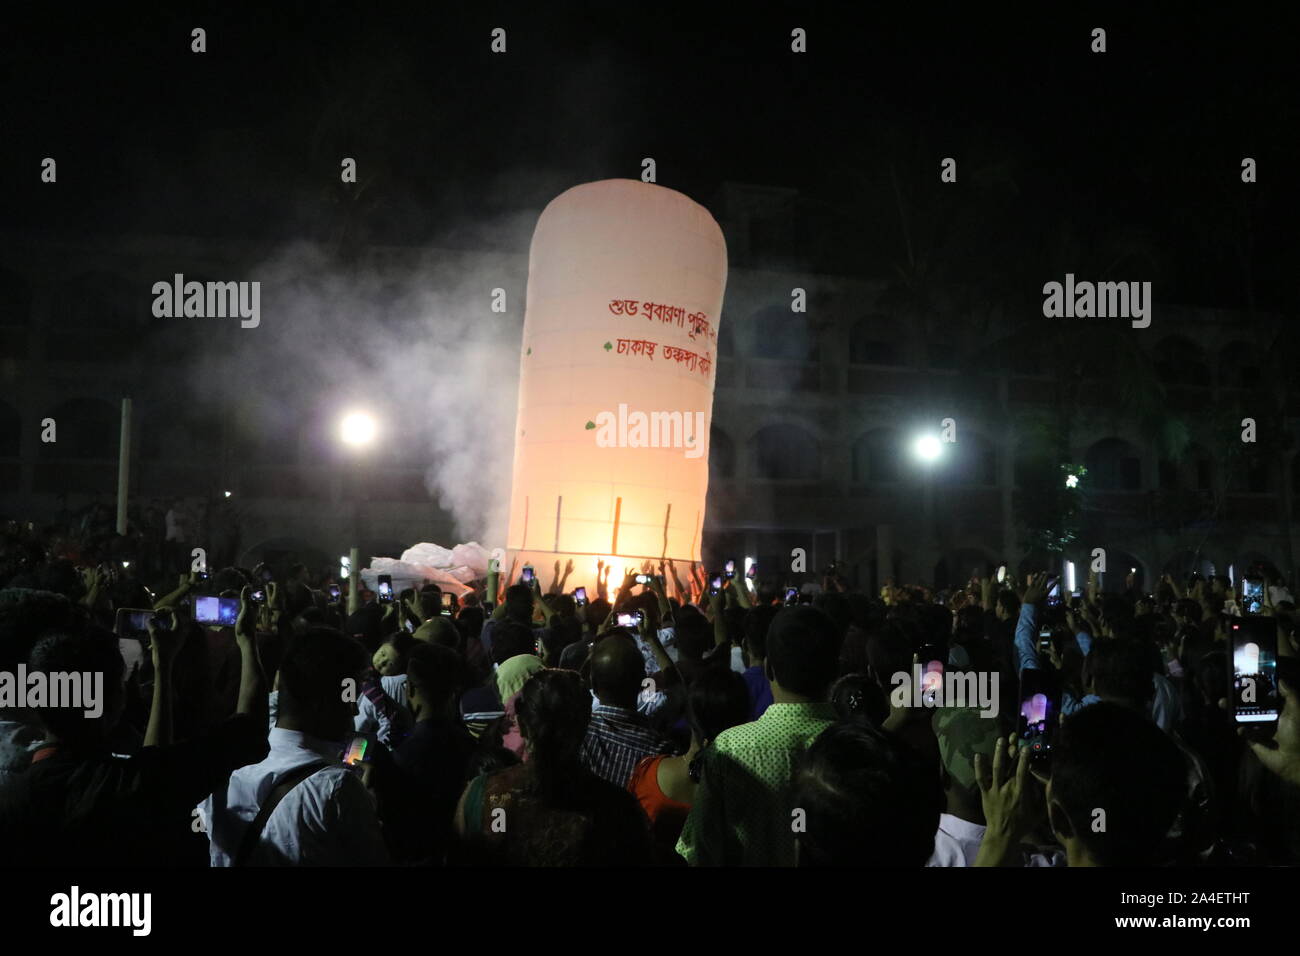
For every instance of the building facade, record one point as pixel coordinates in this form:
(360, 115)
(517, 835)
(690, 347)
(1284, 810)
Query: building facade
(821, 392)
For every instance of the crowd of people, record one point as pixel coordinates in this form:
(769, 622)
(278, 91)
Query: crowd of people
(680, 718)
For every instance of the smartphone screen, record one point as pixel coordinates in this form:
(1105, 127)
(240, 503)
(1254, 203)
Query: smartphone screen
(258, 596)
(335, 594)
(1040, 704)
(1254, 670)
(528, 576)
(133, 623)
(1054, 594)
(751, 568)
(1252, 593)
(642, 579)
(791, 595)
(385, 587)
(218, 611)
(930, 658)
(729, 570)
(1045, 640)
(716, 583)
(628, 620)
(356, 752)
(580, 595)
(448, 602)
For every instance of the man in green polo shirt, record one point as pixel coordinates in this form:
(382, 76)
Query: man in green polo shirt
(742, 814)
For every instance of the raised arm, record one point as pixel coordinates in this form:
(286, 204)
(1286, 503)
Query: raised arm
(252, 684)
(1026, 645)
(657, 586)
(186, 584)
(165, 639)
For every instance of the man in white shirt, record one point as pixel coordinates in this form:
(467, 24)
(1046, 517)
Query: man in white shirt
(961, 733)
(323, 815)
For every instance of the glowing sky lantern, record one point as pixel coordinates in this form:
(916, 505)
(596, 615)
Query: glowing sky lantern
(620, 343)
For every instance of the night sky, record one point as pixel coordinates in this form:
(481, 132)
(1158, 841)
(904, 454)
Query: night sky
(1139, 147)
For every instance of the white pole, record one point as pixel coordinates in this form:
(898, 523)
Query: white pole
(123, 465)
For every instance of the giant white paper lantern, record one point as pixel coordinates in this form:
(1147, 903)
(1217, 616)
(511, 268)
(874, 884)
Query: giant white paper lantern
(625, 285)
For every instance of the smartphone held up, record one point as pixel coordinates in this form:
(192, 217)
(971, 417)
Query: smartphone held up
(1253, 694)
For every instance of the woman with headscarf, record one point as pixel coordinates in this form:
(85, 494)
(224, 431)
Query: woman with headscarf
(511, 677)
(550, 810)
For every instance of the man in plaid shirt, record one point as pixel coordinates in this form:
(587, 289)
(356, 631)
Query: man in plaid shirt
(618, 737)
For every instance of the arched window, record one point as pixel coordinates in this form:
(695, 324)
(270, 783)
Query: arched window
(786, 453)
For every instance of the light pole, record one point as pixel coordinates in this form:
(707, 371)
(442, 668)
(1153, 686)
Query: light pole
(928, 449)
(357, 431)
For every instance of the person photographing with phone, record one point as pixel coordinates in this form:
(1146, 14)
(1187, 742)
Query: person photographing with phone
(128, 807)
(301, 805)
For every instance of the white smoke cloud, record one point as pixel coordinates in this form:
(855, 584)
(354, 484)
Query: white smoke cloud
(409, 335)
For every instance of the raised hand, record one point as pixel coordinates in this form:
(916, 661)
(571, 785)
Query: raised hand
(165, 638)
(1007, 796)
(246, 623)
(1281, 752)
(716, 602)
(413, 606)
(1035, 589)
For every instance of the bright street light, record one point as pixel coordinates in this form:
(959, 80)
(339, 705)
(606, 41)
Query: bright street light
(357, 429)
(927, 448)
